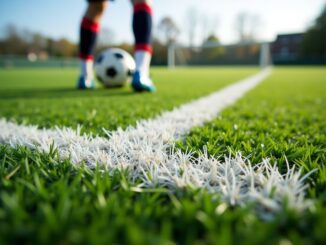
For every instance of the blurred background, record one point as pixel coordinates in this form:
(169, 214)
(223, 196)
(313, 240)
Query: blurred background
(202, 32)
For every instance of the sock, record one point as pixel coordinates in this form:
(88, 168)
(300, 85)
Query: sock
(143, 61)
(88, 35)
(86, 69)
(142, 28)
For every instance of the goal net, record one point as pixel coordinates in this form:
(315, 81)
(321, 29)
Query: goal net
(217, 54)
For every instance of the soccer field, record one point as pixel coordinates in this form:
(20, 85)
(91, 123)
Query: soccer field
(47, 198)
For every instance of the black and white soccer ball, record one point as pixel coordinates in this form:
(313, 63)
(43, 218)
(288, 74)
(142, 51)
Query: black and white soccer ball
(114, 67)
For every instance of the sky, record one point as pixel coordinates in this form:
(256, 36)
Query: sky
(61, 18)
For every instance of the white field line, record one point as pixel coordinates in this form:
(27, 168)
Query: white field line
(145, 150)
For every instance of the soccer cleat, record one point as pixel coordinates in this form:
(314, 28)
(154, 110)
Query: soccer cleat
(141, 83)
(85, 83)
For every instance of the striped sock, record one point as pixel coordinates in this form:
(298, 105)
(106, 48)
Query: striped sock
(142, 28)
(88, 35)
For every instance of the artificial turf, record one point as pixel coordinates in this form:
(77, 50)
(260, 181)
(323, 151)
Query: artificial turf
(45, 200)
(48, 98)
(283, 118)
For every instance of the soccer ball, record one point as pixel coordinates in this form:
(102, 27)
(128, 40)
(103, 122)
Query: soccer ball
(114, 67)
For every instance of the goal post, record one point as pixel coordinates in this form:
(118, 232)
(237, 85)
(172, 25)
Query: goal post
(212, 53)
(265, 55)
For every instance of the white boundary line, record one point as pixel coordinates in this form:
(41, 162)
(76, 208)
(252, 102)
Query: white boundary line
(145, 150)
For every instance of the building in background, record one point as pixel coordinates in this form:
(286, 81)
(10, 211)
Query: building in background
(287, 48)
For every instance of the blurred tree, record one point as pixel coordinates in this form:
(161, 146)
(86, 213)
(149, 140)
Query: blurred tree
(246, 27)
(314, 43)
(211, 54)
(199, 25)
(64, 48)
(38, 43)
(160, 53)
(208, 26)
(24, 42)
(50, 43)
(169, 30)
(13, 43)
(192, 24)
(211, 38)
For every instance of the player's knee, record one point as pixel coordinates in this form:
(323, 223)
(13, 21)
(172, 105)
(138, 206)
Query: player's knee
(96, 9)
(142, 1)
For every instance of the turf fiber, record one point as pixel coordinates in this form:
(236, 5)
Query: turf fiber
(44, 200)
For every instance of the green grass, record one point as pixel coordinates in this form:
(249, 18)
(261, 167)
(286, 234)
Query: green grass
(45, 200)
(48, 97)
(284, 117)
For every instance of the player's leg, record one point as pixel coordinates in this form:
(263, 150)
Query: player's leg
(142, 28)
(89, 29)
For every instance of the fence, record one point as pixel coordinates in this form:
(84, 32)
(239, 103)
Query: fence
(13, 61)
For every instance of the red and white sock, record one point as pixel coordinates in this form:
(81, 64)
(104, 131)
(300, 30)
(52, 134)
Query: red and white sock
(143, 61)
(88, 35)
(86, 69)
(142, 27)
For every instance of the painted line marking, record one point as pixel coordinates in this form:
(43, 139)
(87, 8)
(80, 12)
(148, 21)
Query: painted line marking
(145, 150)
